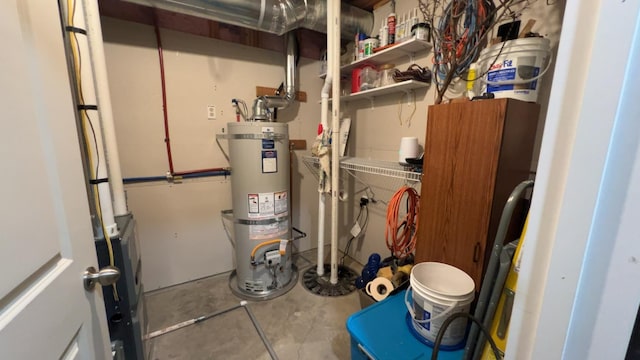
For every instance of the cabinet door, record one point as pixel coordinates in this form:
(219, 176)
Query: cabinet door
(475, 154)
(460, 164)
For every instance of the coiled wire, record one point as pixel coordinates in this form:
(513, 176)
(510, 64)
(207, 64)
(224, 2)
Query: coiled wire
(401, 236)
(460, 29)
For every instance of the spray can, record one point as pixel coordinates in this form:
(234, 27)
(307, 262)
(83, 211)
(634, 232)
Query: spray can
(355, 47)
(381, 35)
(471, 81)
(400, 28)
(391, 24)
(361, 38)
(384, 40)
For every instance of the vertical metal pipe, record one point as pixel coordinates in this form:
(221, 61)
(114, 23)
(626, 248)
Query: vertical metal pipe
(266, 342)
(290, 86)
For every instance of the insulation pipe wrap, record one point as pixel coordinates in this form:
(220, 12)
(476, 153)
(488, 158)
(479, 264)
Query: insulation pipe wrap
(89, 96)
(273, 16)
(324, 121)
(101, 83)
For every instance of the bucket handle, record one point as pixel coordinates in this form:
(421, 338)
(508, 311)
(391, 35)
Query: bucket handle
(413, 314)
(518, 82)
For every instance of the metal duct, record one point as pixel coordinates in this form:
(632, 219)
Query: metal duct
(262, 104)
(274, 16)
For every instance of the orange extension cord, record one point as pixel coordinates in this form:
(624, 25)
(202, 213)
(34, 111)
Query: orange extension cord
(401, 237)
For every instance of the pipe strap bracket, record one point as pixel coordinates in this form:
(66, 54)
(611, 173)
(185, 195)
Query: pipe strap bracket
(76, 30)
(267, 136)
(83, 107)
(276, 220)
(98, 181)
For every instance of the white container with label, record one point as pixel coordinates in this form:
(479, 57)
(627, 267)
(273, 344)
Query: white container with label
(514, 68)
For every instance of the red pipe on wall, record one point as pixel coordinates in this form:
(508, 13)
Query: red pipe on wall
(167, 139)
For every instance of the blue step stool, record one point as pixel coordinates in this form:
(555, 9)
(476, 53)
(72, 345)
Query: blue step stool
(380, 332)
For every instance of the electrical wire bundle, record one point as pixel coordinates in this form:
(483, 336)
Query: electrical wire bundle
(459, 32)
(400, 236)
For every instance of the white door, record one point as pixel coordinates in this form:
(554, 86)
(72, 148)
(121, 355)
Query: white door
(46, 239)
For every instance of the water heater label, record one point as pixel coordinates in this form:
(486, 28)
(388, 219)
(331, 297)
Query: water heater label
(261, 232)
(257, 232)
(253, 204)
(281, 202)
(268, 144)
(266, 204)
(269, 161)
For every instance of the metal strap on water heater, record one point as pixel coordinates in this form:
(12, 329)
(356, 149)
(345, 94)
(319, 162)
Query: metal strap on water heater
(278, 219)
(261, 222)
(267, 136)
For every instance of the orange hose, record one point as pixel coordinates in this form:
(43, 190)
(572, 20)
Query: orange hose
(401, 237)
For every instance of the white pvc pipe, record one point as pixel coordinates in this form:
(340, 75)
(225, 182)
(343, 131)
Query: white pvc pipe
(321, 215)
(324, 121)
(333, 53)
(90, 98)
(101, 83)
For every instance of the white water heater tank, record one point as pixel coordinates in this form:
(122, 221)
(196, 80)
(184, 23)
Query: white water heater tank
(259, 157)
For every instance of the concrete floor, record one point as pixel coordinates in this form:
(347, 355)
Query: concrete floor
(299, 324)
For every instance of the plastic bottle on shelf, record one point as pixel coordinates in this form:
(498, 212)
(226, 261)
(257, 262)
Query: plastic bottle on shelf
(472, 78)
(356, 41)
(400, 29)
(414, 20)
(384, 40)
(391, 25)
(362, 37)
(406, 31)
(381, 34)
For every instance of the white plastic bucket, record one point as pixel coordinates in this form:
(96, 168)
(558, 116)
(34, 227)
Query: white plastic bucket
(439, 290)
(514, 68)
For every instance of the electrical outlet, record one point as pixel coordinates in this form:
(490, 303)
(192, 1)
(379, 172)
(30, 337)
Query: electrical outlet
(211, 112)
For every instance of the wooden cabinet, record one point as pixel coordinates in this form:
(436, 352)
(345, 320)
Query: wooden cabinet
(475, 154)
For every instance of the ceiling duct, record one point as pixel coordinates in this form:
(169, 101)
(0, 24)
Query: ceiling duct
(273, 16)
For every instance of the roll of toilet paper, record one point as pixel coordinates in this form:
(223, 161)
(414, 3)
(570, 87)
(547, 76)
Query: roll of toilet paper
(409, 148)
(379, 288)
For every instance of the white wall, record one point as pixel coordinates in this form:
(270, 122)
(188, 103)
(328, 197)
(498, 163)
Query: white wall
(179, 224)
(376, 131)
(202, 71)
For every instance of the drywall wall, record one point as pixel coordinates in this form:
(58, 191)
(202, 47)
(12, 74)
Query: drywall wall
(179, 225)
(378, 127)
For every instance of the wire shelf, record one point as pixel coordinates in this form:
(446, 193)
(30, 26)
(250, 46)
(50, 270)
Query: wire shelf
(375, 167)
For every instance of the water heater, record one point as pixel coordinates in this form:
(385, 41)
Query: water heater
(259, 157)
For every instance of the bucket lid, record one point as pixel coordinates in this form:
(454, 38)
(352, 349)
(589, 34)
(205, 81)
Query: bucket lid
(505, 47)
(442, 278)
